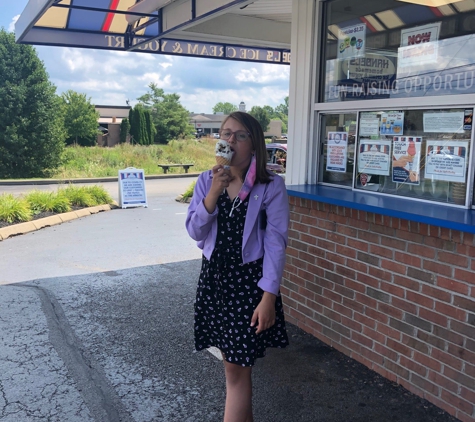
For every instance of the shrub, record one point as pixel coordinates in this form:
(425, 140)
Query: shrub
(40, 201)
(99, 194)
(13, 210)
(78, 196)
(189, 192)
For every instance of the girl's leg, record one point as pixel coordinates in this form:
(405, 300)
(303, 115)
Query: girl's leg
(238, 393)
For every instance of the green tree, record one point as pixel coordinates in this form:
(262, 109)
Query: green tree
(226, 108)
(142, 129)
(170, 118)
(31, 131)
(124, 130)
(261, 115)
(80, 119)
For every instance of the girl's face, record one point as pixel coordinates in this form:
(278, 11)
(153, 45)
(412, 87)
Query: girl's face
(242, 149)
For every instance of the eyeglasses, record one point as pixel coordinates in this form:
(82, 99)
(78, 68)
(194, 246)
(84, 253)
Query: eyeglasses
(239, 135)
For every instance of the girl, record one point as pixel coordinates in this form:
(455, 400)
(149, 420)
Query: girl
(239, 217)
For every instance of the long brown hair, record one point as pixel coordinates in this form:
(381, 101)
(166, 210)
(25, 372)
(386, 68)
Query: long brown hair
(252, 126)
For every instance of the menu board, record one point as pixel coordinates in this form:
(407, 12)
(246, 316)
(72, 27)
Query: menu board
(337, 151)
(406, 159)
(374, 157)
(446, 160)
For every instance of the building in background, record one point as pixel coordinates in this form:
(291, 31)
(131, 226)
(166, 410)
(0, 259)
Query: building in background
(110, 118)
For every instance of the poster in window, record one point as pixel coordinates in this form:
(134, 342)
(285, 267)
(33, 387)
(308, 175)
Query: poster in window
(352, 41)
(446, 160)
(406, 159)
(337, 151)
(419, 45)
(392, 123)
(374, 157)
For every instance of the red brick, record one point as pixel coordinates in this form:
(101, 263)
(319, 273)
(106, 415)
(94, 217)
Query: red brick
(368, 280)
(434, 317)
(427, 361)
(437, 268)
(460, 378)
(425, 385)
(366, 300)
(447, 359)
(363, 340)
(389, 331)
(380, 274)
(413, 366)
(334, 316)
(345, 251)
(392, 289)
(393, 266)
(390, 310)
(342, 310)
(452, 285)
(436, 293)
(378, 316)
(451, 311)
(453, 259)
(467, 394)
(408, 259)
(407, 283)
(404, 305)
(352, 324)
(353, 304)
(398, 347)
(394, 244)
(361, 267)
(358, 245)
(458, 402)
(385, 373)
(419, 299)
(374, 334)
(386, 352)
(443, 382)
(382, 252)
(369, 322)
(461, 353)
(397, 369)
(463, 275)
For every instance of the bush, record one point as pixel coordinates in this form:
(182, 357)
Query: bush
(78, 196)
(189, 192)
(41, 201)
(14, 210)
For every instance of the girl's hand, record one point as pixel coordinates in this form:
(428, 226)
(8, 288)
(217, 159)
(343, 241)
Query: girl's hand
(264, 314)
(221, 179)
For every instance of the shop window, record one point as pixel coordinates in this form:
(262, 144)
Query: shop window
(419, 154)
(337, 149)
(393, 49)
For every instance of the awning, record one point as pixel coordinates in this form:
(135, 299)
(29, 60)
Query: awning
(221, 29)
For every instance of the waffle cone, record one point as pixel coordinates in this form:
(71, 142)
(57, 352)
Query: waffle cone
(223, 161)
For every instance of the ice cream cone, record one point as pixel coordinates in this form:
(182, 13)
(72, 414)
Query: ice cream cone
(223, 161)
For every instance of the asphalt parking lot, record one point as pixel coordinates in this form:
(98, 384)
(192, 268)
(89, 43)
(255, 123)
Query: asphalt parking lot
(96, 324)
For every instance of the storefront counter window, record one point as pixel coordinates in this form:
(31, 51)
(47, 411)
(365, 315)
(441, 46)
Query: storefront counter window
(394, 49)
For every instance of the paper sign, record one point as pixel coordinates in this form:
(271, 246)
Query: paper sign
(444, 122)
(369, 125)
(132, 188)
(406, 159)
(352, 41)
(374, 157)
(392, 123)
(419, 45)
(337, 149)
(446, 160)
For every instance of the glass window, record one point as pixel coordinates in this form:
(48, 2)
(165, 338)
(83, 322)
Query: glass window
(393, 49)
(337, 149)
(422, 154)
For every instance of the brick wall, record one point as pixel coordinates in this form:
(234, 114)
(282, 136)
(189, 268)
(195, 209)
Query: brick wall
(396, 295)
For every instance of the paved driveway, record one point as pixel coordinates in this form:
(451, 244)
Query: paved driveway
(96, 319)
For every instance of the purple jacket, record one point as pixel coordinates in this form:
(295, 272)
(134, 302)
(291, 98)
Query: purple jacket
(257, 243)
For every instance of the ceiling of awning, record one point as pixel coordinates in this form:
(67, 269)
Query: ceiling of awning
(239, 29)
(246, 30)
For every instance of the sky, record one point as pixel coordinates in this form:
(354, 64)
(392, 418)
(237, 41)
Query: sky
(112, 78)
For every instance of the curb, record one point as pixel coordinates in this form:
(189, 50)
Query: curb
(90, 180)
(53, 220)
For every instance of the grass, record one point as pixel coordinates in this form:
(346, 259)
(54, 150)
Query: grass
(84, 162)
(24, 208)
(189, 191)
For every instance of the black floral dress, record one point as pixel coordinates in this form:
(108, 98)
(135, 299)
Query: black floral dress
(228, 294)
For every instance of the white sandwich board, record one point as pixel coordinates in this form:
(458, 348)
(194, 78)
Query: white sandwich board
(132, 188)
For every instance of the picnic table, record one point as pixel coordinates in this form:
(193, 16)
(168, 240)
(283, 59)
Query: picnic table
(166, 167)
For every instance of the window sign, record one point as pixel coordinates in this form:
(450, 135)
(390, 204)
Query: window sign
(468, 119)
(351, 41)
(446, 160)
(392, 123)
(406, 159)
(337, 151)
(374, 157)
(369, 124)
(132, 188)
(449, 122)
(419, 45)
